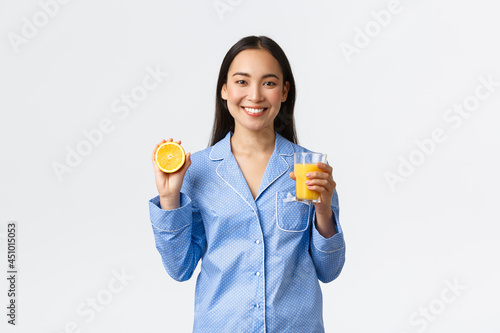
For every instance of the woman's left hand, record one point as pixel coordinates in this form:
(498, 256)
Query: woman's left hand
(322, 182)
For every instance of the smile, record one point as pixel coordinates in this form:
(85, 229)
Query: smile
(254, 110)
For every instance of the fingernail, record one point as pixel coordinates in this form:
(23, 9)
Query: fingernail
(308, 182)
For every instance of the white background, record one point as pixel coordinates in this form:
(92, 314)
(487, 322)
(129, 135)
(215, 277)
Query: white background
(406, 244)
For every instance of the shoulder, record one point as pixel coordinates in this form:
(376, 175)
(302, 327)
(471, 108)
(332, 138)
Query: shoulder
(201, 154)
(198, 173)
(205, 159)
(200, 160)
(299, 149)
(286, 147)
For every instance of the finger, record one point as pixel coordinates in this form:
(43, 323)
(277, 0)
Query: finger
(320, 183)
(325, 167)
(161, 142)
(318, 188)
(316, 181)
(155, 166)
(156, 148)
(187, 164)
(328, 184)
(318, 174)
(292, 175)
(154, 153)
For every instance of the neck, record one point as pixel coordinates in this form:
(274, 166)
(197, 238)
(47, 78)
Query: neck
(246, 141)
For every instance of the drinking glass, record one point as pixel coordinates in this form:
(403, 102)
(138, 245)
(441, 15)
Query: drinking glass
(304, 163)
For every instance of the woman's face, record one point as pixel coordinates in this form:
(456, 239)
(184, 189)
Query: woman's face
(254, 90)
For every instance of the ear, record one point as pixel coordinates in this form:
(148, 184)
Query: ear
(284, 94)
(223, 92)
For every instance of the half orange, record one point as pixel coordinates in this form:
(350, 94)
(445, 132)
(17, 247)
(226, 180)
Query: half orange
(170, 157)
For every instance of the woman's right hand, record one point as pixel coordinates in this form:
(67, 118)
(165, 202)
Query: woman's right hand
(169, 184)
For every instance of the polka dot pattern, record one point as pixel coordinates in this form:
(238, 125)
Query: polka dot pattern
(262, 259)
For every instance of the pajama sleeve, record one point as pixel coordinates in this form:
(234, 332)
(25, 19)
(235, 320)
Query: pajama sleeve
(328, 254)
(179, 236)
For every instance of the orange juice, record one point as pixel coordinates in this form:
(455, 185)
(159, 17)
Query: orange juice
(301, 190)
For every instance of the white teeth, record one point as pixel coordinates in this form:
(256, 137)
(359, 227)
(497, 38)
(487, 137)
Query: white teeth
(254, 110)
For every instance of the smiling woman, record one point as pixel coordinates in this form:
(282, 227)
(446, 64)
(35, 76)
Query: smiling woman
(254, 88)
(284, 122)
(262, 253)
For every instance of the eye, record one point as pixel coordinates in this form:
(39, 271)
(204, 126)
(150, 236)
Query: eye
(269, 83)
(241, 82)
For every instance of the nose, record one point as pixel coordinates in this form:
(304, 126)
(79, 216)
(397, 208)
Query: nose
(255, 93)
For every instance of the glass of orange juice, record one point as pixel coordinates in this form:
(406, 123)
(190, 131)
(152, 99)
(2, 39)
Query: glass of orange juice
(304, 163)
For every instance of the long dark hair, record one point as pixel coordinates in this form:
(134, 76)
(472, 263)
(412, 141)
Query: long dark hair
(284, 122)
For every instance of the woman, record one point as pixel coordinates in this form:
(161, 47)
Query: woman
(229, 205)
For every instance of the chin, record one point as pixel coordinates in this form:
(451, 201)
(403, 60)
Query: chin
(258, 128)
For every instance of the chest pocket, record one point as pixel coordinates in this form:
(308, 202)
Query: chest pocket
(291, 215)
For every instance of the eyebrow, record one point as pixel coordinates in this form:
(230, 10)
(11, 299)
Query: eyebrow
(263, 76)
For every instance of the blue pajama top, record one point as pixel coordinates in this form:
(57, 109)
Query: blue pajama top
(261, 259)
